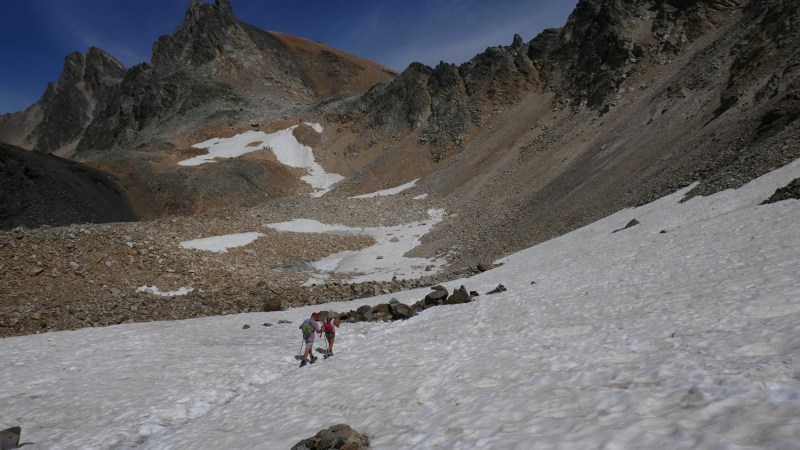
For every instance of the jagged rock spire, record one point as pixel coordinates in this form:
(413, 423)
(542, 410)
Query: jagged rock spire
(207, 31)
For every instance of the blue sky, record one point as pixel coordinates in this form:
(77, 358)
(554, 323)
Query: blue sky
(37, 34)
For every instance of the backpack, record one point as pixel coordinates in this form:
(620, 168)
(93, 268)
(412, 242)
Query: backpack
(306, 327)
(329, 324)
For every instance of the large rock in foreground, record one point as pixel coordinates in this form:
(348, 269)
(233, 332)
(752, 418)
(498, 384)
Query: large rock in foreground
(339, 436)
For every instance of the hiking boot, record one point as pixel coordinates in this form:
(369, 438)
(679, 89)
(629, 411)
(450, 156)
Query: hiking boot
(313, 359)
(303, 363)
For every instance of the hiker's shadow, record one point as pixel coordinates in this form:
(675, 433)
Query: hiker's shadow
(322, 350)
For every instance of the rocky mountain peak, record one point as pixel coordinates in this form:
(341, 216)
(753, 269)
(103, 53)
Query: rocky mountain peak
(208, 31)
(85, 85)
(92, 67)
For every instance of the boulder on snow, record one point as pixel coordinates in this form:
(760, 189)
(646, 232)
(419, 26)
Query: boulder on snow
(459, 296)
(272, 304)
(9, 438)
(381, 312)
(436, 297)
(401, 311)
(364, 313)
(339, 436)
(632, 223)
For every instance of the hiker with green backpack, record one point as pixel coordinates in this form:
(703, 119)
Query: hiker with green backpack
(309, 328)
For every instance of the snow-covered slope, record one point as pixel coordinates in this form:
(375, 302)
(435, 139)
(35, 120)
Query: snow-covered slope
(634, 339)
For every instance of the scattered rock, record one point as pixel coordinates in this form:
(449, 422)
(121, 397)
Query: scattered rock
(266, 324)
(246, 327)
(790, 191)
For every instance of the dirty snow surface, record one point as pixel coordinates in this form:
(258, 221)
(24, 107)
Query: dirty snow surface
(221, 243)
(379, 262)
(390, 191)
(688, 338)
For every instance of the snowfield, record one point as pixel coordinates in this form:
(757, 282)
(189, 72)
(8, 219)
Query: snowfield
(286, 148)
(688, 338)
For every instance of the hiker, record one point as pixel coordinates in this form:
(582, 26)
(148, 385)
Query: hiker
(330, 332)
(309, 327)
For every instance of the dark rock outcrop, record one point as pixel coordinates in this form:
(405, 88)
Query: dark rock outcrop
(9, 438)
(631, 223)
(443, 103)
(39, 189)
(460, 295)
(56, 123)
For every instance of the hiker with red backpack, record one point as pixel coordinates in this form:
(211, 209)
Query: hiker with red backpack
(330, 332)
(309, 327)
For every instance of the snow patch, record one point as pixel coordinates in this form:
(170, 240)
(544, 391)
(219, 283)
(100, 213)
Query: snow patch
(221, 243)
(156, 291)
(392, 191)
(315, 126)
